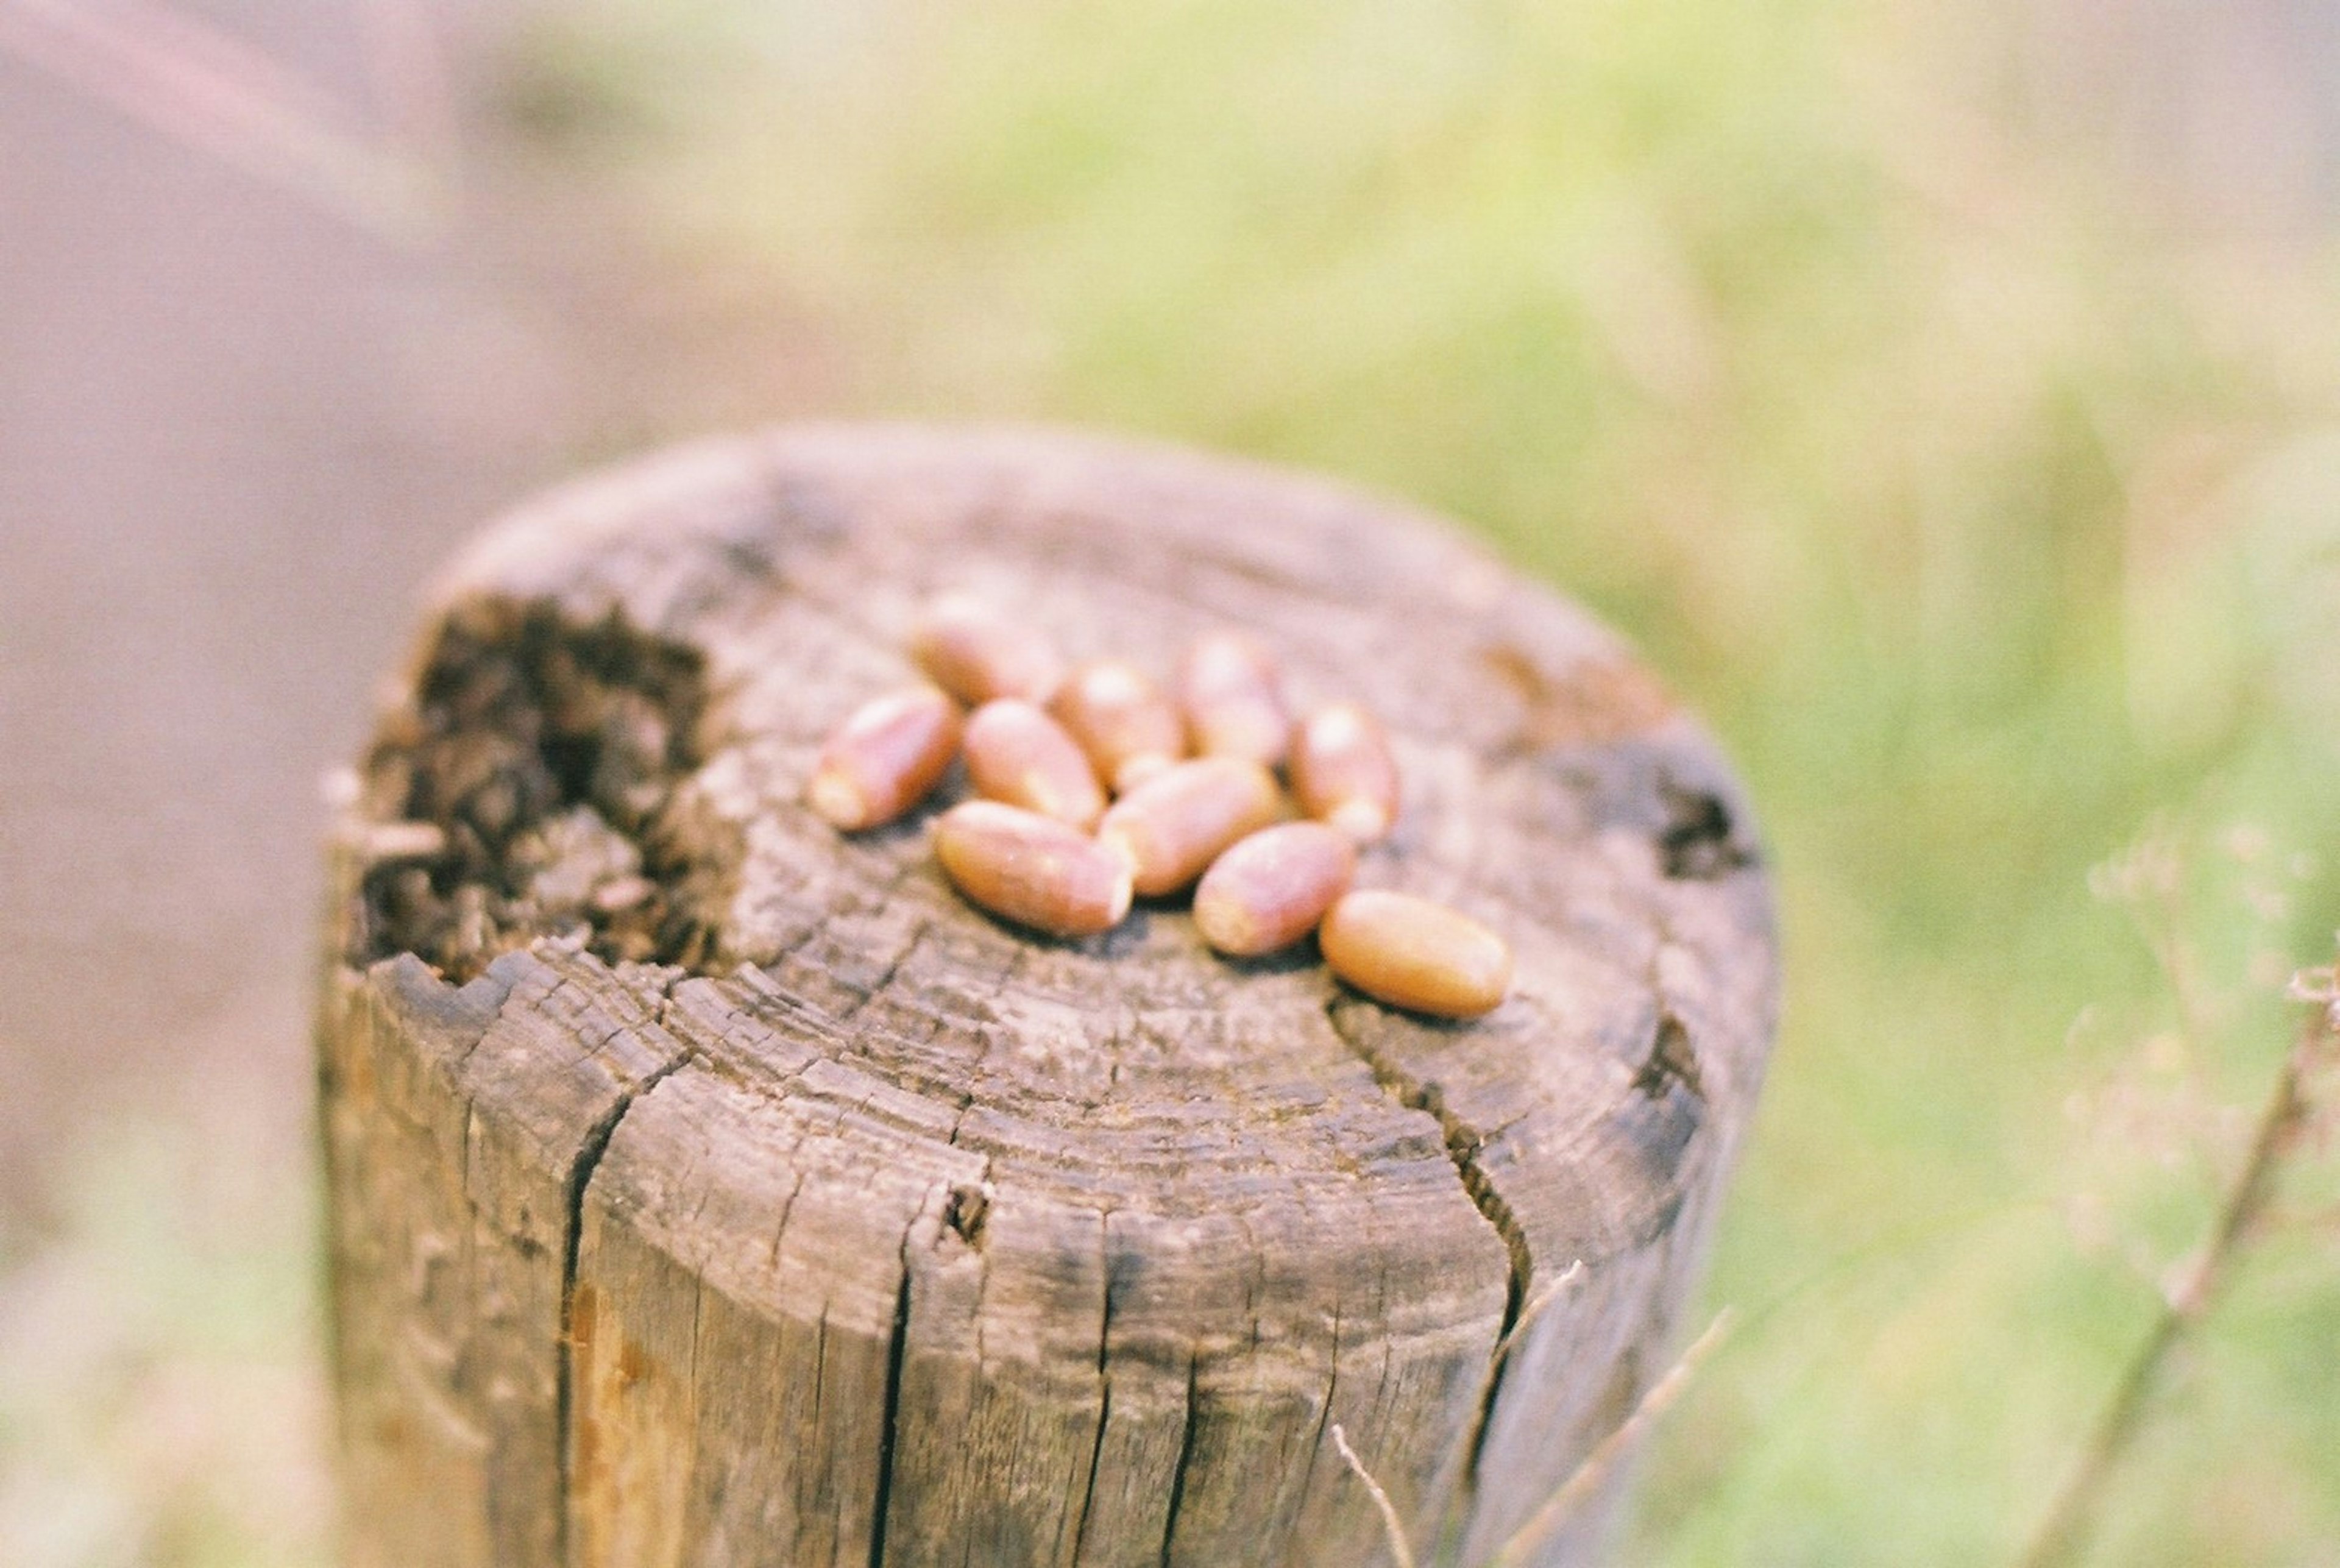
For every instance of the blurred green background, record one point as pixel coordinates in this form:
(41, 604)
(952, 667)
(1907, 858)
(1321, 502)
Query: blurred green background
(1944, 396)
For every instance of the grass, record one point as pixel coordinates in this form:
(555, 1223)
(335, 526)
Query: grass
(159, 1400)
(1987, 503)
(1984, 504)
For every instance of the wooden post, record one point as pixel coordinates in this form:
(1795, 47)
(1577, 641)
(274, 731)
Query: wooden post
(708, 1188)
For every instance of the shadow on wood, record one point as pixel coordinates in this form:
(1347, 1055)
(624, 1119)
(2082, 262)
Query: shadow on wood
(725, 1191)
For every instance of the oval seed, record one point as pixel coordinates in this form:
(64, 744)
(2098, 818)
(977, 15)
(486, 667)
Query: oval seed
(1174, 823)
(1233, 698)
(1412, 953)
(1032, 870)
(885, 757)
(1122, 719)
(1270, 889)
(1342, 771)
(978, 655)
(1017, 754)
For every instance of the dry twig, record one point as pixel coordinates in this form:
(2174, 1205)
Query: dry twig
(1527, 1319)
(1548, 1520)
(2065, 1532)
(1401, 1550)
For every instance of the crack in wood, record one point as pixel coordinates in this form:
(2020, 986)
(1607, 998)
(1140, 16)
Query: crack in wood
(1096, 1454)
(897, 1344)
(590, 1151)
(1178, 1475)
(1105, 1376)
(965, 1210)
(1323, 1415)
(1463, 1144)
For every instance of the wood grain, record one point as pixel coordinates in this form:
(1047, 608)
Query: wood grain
(856, 1228)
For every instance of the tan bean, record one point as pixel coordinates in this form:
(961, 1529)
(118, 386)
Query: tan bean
(1412, 953)
(1342, 771)
(1232, 696)
(1032, 870)
(1017, 754)
(885, 759)
(978, 655)
(1171, 825)
(1270, 889)
(1124, 722)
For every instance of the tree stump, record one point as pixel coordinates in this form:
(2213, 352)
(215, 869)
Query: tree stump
(709, 1187)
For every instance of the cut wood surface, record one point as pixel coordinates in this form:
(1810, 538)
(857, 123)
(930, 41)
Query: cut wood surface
(708, 1187)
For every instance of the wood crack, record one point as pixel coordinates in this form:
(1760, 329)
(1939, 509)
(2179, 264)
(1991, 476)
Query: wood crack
(1463, 1144)
(596, 1144)
(895, 1345)
(1178, 1475)
(1324, 1415)
(1096, 1454)
(1105, 1379)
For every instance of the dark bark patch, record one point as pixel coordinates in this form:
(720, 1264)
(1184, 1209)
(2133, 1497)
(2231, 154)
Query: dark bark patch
(1670, 1061)
(965, 1211)
(545, 752)
(1699, 842)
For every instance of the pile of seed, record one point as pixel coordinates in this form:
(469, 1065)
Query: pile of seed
(1097, 787)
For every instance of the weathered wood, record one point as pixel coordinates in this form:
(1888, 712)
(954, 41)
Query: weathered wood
(739, 1196)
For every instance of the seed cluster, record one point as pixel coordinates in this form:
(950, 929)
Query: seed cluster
(1096, 786)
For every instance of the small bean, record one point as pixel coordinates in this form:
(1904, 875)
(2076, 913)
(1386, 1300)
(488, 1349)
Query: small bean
(1270, 889)
(1171, 826)
(1232, 696)
(978, 655)
(887, 756)
(1032, 870)
(1342, 771)
(1017, 753)
(1412, 953)
(1124, 721)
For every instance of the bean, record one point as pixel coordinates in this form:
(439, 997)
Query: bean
(1032, 870)
(1170, 826)
(1270, 889)
(1342, 771)
(1412, 953)
(885, 759)
(978, 655)
(1122, 719)
(1017, 753)
(1232, 696)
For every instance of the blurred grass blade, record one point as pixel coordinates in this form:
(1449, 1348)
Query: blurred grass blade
(207, 91)
(2064, 1536)
(1549, 1520)
(1393, 1527)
